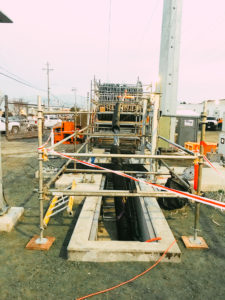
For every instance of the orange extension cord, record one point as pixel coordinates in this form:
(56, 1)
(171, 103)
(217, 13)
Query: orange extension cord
(132, 279)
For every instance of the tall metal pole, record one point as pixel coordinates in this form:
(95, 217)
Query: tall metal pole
(41, 240)
(144, 116)
(169, 60)
(155, 124)
(3, 206)
(6, 116)
(75, 120)
(48, 86)
(88, 119)
(197, 205)
(154, 139)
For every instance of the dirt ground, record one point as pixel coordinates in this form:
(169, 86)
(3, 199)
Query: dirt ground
(26, 274)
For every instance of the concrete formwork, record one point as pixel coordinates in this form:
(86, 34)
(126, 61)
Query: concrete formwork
(82, 247)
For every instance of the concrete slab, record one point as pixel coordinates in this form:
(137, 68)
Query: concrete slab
(82, 183)
(81, 248)
(100, 159)
(8, 221)
(213, 181)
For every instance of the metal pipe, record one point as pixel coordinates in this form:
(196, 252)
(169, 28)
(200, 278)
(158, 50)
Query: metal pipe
(197, 205)
(177, 145)
(155, 123)
(64, 201)
(118, 193)
(62, 112)
(56, 212)
(3, 206)
(6, 116)
(106, 171)
(75, 127)
(144, 116)
(106, 135)
(128, 155)
(53, 179)
(40, 119)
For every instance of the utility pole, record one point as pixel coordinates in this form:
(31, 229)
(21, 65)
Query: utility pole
(169, 64)
(75, 98)
(48, 87)
(3, 206)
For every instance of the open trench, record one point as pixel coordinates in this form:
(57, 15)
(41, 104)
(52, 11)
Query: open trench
(119, 214)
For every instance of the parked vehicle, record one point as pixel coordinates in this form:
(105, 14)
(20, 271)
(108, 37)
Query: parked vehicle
(13, 126)
(51, 121)
(22, 120)
(32, 123)
(211, 123)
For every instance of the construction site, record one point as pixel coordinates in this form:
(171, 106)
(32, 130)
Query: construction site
(122, 200)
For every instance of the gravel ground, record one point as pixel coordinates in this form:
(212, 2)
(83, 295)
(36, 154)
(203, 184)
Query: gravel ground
(28, 274)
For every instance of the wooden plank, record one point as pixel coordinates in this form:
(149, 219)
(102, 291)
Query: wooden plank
(32, 245)
(188, 244)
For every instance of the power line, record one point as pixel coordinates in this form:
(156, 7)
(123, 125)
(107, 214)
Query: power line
(19, 78)
(26, 83)
(21, 82)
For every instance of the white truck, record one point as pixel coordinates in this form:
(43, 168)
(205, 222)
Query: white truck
(13, 126)
(51, 121)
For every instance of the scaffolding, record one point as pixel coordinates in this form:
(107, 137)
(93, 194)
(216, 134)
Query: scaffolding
(142, 130)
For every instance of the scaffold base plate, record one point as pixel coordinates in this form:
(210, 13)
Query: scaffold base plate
(190, 244)
(33, 245)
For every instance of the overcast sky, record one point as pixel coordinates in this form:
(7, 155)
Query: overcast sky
(73, 36)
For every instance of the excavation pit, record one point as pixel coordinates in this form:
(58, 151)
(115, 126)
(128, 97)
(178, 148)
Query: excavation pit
(86, 245)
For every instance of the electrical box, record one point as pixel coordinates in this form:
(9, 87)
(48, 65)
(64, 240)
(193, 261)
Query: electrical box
(221, 148)
(187, 129)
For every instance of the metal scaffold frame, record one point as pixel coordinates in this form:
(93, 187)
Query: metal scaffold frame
(147, 140)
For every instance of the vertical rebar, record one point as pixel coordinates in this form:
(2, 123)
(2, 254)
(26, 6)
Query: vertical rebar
(197, 205)
(40, 159)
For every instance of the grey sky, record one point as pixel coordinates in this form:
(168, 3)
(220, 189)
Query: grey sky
(72, 35)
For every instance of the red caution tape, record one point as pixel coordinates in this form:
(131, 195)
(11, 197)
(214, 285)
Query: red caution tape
(212, 166)
(196, 198)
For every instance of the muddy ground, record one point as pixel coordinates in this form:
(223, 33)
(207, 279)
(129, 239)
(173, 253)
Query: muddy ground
(38, 275)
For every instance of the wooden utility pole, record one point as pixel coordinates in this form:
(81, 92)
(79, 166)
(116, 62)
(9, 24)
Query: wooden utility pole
(48, 87)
